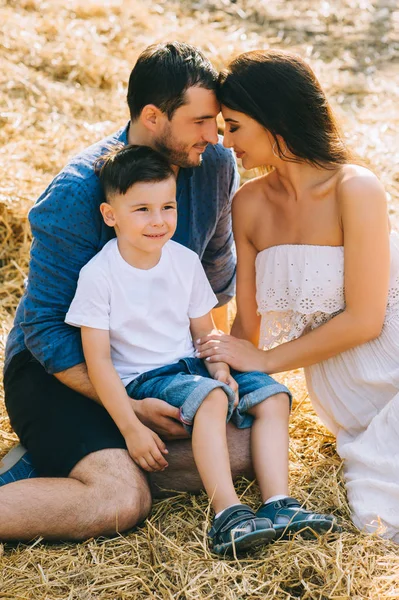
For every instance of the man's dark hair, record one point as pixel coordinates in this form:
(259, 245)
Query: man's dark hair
(123, 166)
(162, 75)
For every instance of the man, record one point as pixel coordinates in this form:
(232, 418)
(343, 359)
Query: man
(91, 486)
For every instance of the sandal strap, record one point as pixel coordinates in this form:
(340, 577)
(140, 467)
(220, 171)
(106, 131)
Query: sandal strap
(299, 509)
(230, 517)
(287, 503)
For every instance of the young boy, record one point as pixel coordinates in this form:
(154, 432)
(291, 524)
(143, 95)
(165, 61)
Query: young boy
(140, 302)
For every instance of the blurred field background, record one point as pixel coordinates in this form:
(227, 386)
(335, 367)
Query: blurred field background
(64, 69)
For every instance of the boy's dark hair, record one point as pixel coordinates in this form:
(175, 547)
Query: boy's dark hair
(280, 91)
(123, 166)
(162, 75)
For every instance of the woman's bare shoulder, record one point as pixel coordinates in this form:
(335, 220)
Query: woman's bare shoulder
(250, 206)
(253, 191)
(361, 197)
(358, 181)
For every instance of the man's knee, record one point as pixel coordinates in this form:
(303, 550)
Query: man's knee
(118, 492)
(121, 510)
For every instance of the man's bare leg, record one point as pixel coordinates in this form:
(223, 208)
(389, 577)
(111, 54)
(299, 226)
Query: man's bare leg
(105, 492)
(182, 474)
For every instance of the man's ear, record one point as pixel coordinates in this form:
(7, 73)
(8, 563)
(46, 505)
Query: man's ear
(150, 117)
(108, 214)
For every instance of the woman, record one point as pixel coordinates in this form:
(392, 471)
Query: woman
(318, 272)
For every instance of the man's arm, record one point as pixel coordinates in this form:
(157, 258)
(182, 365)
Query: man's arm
(67, 229)
(78, 380)
(219, 259)
(152, 412)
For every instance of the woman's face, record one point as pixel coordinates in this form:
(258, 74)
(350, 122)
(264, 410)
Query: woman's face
(250, 141)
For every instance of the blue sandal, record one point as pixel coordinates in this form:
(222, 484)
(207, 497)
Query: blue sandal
(239, 528)
(289, 517)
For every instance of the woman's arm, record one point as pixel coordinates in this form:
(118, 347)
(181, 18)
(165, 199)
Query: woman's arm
(366, 254)
(367, 264)
(247, 321)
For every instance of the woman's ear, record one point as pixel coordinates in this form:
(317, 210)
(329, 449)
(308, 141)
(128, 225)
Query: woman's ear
(108, 214)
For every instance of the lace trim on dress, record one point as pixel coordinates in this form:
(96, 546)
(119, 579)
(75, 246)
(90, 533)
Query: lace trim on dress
(303, 300)
(277, 327)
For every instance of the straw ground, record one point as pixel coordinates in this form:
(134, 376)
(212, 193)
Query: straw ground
(64, 68)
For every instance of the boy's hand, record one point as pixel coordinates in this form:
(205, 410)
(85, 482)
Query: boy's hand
(226, 377)
(146, 449)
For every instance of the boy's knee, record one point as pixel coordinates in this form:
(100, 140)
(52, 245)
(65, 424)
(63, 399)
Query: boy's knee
(215, 401)
(277, 405)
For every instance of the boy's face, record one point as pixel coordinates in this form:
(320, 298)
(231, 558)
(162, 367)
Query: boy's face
(144, 218)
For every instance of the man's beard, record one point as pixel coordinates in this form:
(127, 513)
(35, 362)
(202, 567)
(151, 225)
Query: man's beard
(177, 154)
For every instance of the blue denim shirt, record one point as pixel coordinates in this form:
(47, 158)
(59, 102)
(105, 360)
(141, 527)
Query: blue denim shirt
(68, 231)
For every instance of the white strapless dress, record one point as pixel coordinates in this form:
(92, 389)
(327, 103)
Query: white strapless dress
(356, 393)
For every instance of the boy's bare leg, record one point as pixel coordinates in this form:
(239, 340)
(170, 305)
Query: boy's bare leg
(105, 492)
(269, 445)
(211, 452)
(182, 474)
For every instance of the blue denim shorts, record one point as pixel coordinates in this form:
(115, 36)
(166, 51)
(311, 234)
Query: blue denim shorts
(187, 383)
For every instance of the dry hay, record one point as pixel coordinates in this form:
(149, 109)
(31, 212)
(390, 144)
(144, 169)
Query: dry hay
(64, 67)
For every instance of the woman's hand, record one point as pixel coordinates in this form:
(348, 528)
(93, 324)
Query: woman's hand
(239, 354)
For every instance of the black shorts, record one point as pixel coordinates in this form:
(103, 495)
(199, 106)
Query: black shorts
(57, 425)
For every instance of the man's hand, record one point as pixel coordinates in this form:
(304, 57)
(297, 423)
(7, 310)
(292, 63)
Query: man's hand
(146, 448)
(227, 378)
(160, 417)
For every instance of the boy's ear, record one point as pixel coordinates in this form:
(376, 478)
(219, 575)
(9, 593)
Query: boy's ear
(150, 117)
(108, 214)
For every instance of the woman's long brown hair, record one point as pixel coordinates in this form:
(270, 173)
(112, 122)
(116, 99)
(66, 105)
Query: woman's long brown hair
(280, 91)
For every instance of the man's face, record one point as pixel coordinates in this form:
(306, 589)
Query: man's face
(184, 138)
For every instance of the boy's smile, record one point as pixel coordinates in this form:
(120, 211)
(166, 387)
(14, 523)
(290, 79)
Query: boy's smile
(155, 235)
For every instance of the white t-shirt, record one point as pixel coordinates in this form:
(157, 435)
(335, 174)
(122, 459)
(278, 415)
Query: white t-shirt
(147, 312)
